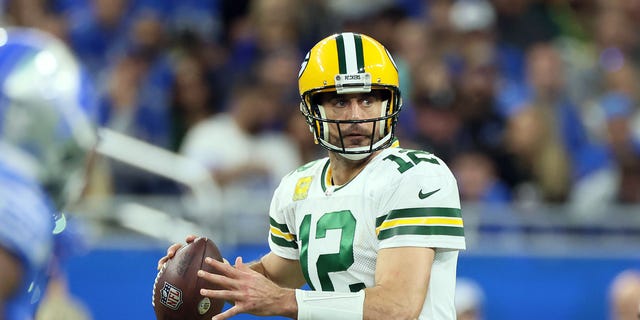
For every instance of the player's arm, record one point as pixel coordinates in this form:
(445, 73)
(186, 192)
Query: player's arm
(401, 283)
(11, 275)
(402, 276)
(286, 273)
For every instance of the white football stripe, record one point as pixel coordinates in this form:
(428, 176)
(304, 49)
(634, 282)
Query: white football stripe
(350, 52)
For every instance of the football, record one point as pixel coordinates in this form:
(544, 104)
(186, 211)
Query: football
(176, 290)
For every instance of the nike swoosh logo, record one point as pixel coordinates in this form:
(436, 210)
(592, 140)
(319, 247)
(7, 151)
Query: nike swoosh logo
(425, 195)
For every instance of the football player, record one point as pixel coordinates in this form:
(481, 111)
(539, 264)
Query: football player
(373, 229)
(46, 135)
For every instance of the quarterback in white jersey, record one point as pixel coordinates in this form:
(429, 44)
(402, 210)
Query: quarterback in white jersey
(401, 198)
(373, 229)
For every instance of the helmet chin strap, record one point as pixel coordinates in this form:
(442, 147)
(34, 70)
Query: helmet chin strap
(354, 156)
(358, 156)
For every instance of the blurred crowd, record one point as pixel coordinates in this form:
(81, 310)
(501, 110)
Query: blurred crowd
(528, 101)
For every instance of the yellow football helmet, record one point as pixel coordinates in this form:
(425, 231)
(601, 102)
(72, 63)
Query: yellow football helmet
(350, 63)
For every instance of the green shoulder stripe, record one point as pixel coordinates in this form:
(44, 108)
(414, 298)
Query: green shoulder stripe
(420, 221)
(421, 230)
(280, 226)
(281, 235)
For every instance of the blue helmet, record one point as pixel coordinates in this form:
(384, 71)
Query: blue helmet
(47, 107)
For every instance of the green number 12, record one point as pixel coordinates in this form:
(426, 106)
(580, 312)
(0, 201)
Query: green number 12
(332, 262)
(415, 158)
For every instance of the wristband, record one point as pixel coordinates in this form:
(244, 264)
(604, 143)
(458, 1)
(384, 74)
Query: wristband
(318, 305)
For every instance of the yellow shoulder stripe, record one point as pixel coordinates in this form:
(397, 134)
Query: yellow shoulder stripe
(425, 221)
(287, 236)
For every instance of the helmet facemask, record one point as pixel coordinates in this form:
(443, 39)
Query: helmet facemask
(382, 132)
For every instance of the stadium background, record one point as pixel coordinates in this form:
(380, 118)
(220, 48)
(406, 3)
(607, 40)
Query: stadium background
(533, 104)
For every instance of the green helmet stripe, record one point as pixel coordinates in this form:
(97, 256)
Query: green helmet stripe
(350, 53)
(342, 63)
(359, 53)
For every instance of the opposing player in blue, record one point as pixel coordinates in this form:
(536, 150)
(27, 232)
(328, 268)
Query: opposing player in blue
(46, 138)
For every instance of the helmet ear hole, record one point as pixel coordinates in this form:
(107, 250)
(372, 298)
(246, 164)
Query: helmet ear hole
(303, 109)
(311, 123)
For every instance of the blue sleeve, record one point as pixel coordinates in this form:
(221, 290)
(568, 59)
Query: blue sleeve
(26, 232)
(26, 224)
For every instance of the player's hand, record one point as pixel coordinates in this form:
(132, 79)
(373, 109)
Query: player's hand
(171, 251)
(248, 290)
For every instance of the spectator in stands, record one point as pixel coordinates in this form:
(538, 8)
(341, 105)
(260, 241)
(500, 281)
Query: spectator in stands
(437, 124)
(136, 100)
(473, 24)
(412, 44)
(298, 130)
(483, 127)
(122, 111)
(278, 70)
(98, 32)
(269, 25)
(587, 164)
(244, 158)
(233, 143)
(623, 144)
(522, 23)
(137, 88)
(477, 179)
(442, 33)
(192, 101)
(542, 164)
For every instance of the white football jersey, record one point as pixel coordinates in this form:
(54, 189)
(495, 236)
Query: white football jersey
(402, 198)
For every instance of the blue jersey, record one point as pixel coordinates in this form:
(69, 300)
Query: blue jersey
(25, 231)
(46, 109)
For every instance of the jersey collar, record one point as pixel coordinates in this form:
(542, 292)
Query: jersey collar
(326, 180)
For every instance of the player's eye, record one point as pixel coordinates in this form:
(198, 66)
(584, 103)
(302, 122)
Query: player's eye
(368, 100)
(339, 103)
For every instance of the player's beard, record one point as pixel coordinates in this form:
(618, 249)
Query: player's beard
(354, 135)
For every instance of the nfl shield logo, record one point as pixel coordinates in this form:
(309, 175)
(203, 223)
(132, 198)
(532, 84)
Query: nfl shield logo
(171, 296)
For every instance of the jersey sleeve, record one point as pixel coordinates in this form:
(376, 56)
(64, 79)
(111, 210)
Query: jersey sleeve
(422, 209)
(283, 240)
